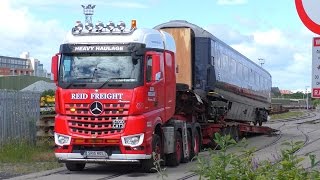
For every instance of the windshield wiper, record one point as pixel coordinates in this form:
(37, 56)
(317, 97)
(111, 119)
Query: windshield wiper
(79, 84)
(73, 84)
(84, 78)
(112, 79)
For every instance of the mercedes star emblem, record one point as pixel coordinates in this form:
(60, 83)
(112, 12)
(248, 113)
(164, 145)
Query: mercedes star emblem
(96, 108)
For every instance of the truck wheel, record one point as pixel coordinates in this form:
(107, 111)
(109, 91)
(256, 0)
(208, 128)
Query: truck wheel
(148, 164)
(195, 146)
(187, 159)
(174, 159)
(75, 166)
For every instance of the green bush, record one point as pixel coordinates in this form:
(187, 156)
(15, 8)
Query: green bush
(49, 92)
(225, 165)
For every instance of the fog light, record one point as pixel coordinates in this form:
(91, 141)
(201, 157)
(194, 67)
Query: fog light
(61, 140)
(132, 141)
(110, 26)
(89, 26)
(121, 26)
(99, 26)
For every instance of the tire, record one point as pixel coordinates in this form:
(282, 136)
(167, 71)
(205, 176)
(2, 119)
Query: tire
(195, 146)
(187, 159)
(75, 166)
(235, 133)
(254, 123)
(147, 165)
(175, 158)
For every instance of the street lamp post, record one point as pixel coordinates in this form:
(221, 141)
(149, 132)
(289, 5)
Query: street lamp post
(307, 99)
(262, 61)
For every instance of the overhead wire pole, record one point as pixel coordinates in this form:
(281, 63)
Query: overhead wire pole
(88, 12)
(307, 97)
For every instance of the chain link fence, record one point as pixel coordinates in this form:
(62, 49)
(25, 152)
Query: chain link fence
(19, 112)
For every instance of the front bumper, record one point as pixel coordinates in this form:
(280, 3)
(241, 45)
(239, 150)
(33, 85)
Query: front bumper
(114, 158)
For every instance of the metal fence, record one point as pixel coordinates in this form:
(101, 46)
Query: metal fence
(19, 112)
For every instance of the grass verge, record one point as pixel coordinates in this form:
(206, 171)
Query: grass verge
(286, 115)
(20, 157)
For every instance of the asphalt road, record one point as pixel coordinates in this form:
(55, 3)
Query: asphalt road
(306, 129)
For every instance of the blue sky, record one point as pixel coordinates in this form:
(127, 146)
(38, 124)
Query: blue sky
(268, 29)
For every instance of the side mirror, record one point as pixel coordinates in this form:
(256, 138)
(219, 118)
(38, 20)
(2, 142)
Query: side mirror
(54, 67)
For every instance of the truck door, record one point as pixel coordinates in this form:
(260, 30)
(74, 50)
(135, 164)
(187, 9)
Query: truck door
(154, 77)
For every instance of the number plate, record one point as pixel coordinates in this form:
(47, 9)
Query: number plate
(117, 124)
(95, 154)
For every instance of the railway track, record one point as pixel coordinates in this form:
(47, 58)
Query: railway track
(307, 115)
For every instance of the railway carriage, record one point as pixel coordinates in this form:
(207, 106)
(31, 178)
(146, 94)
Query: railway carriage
(210, 66)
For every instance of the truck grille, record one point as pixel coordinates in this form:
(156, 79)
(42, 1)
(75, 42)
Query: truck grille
(117, 109)
(111, 121)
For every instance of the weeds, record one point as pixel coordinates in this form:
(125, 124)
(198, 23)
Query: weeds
(286, 115)
(21, 157)
(160, 170)
(226, 165)
(22, 151)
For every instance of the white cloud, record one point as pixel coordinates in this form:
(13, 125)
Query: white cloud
(24, 32)
(270, 37)
(226, 32)
(287, 54)
(231, 2)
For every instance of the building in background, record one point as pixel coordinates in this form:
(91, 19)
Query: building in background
(285, 92)
(25, 65)
(12, 66)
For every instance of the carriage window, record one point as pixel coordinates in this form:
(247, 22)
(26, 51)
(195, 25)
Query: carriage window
(239, 70)
(212, 61)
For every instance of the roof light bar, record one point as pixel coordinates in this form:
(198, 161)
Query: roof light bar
(89, 26)
(110, 26)
(78, 27)
(99, 26)
(121, 26)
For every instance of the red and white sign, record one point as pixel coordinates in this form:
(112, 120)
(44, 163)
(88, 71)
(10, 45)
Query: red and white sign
(316, 92)
(316, 67)
(308, 11)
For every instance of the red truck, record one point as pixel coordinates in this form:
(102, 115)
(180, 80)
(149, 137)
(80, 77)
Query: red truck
(124, 93)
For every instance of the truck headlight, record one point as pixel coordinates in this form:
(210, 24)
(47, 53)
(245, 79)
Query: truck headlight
(62, 140)
(132, 140)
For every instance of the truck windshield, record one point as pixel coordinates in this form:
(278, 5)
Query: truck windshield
(99, 68)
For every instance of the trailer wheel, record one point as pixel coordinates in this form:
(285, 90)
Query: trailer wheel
(174, 159)
(235, 134)
(75, 166)
(196, 145)
(187, 159)
(148, 164)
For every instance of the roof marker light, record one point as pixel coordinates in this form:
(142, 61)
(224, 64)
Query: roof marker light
(89, 26)
(121, 26)
(110, 26)
(133, 24)
(99, 26)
